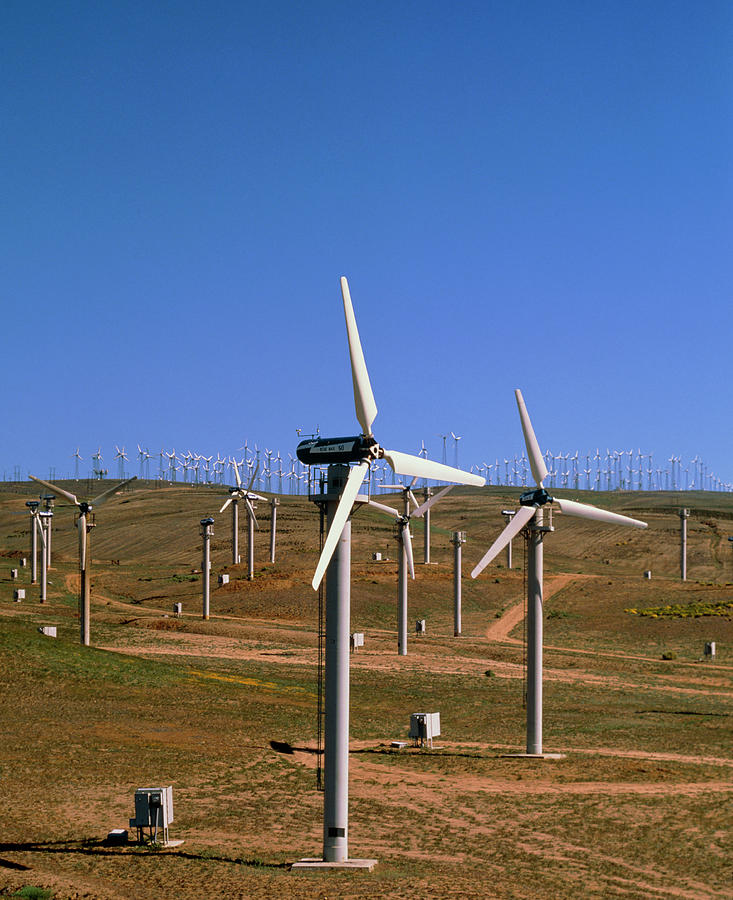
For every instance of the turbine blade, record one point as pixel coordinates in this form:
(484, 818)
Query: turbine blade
(384, 508)
(585, 511)
(407, 544)
(236, 473)
(105, 495)
(254, 475)
(422, 509)
(366, 408)
(412, 499)
(251, 511)
(519, 520)
(343, 511)
(256, 497)
(226, 503)
(57, 490)
(407, 464)
(536, 460)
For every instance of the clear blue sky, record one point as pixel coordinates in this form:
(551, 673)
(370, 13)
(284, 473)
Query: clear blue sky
(532, 195)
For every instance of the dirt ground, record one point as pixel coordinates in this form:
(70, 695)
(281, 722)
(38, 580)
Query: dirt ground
(638, 805)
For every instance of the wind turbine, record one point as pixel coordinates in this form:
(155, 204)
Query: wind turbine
(530, 515)
(121, 457)
(456, 438)
(406, 561)
(235, 495)
(76, 457)
(83, 526)
(344, 482)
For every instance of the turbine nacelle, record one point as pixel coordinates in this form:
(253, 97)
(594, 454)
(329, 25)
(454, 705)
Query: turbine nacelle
(536, 498)
(324, 451)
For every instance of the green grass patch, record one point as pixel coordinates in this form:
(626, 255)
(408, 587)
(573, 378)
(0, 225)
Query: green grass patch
(692, 610)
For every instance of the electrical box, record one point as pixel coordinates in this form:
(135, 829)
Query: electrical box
(377, 557)
(177, 610)
(224, 579)
(424, 727)
(14, 574)
(420, 626)
(19, 594)
(357, 640)
(710, 649)
(48, 630)
(153, 813)
(648, 574)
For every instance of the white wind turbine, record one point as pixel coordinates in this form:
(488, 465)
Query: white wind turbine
(235, 495)
(83, 526)
(121, 457)
(76, 457)
(406, 561)
(344, 483)
(530, 516)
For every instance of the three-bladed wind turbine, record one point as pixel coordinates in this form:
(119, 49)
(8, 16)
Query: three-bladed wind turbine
(235, 495)
(344, 482)
(406, 561)
(530, 516)
(76, 457)
(83, 526)
(364, 449)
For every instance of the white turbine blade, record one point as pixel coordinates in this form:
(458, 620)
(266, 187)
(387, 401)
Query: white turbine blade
(394, 487)
(386, 509)
(105, 495)
(256, 497)
(429, 502)
(41, 531)
(407, 464)
(407, 544)
(254, 475)
(236, 472)
(366, 408)
(584, 511)
(251, 511)
(81, 525)
(226, 503)
(343, 511)
(519, 520)
(412, 499)
(56, 490)
(536, 460)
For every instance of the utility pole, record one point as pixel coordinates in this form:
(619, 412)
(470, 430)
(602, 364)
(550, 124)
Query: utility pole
(458, 538)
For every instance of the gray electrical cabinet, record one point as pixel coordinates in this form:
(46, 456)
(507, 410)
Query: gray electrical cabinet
(424, 727)
(153, 813)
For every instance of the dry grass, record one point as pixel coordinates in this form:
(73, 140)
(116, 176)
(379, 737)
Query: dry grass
(640, 806)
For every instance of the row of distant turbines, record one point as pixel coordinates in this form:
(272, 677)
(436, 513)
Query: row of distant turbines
(614, 470)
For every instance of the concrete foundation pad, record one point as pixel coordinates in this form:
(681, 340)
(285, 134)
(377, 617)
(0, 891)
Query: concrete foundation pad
(533, 756)
(312, 863)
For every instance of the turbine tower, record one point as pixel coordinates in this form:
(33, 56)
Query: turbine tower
(344, 484)
(83, 526)
(530, 515)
